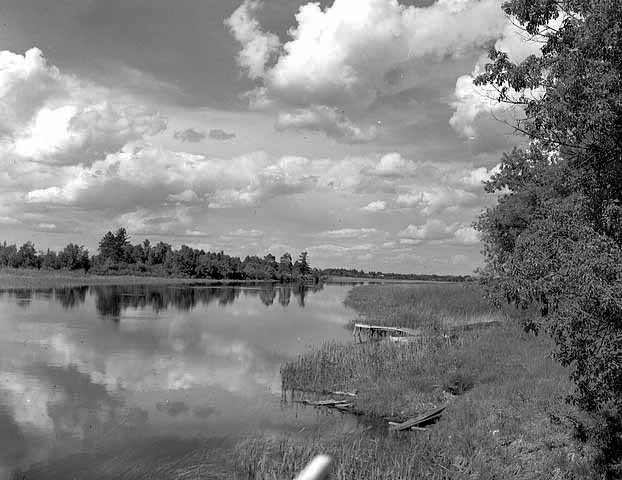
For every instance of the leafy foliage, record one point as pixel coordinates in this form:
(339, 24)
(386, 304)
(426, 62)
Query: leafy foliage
(554, 240)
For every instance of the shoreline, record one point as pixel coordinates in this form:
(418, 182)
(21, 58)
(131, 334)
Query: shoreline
(499, 386)
(18, 279)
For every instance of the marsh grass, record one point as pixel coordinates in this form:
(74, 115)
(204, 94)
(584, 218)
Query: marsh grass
(424, 305)
(500, 424)
(505, 396)
(397, 381)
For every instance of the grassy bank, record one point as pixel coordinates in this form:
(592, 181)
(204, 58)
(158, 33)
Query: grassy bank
(12, 279)
(506, 413)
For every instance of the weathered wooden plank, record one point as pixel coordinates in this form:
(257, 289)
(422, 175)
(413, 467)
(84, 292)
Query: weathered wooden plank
(415, 422)
(343, 394)
(321, 403)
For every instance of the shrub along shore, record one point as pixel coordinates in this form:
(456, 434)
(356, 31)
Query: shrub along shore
(506, 415)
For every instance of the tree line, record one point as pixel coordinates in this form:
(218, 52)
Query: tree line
(117, 255)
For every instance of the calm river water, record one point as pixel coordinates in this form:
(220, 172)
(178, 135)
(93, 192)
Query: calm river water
(97, 382)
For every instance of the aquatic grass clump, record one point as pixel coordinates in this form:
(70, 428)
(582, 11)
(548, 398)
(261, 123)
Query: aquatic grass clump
(422, 305)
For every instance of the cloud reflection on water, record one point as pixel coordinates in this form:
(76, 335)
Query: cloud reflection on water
(171, 359)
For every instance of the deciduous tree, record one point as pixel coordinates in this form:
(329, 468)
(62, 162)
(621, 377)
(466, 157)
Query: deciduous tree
(554, 239)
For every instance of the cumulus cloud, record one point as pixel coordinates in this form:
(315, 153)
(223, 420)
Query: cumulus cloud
(376, 206)
(257, 45)
(438, 198)
(466, 236)
(155, 190)
(153, 176)
(473, 103)
(395, 165)
(27, 83)
(189, 135)
(54, 118)
(329, 120)
(218, 134)
(438, 230)
(339, 59)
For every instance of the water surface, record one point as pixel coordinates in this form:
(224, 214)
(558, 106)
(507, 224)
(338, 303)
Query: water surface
(95, 377)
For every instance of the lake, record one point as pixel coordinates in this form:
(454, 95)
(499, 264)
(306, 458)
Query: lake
(104, 382)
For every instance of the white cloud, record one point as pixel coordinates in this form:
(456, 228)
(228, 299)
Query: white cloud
(438, 230)
(437, 198)
(376, 206)
(164, 221)
(350, 233)
(51, 117)
(466, 236)
(325, 119)
(45, 226)
(154, 185)
(26, 85)
(473, 102)
(242, 232)
(337, 58)
(257, 45)
(187, 196)
(433, 229)
(475, 178)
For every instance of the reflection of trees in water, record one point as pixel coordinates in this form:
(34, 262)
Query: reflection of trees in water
(107, 301)
(22, 296)
(285, 294)
(300, 291)
(267, 295)
(110, 301)
(227, 295)
(70, 297)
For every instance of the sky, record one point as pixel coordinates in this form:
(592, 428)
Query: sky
(350, 129)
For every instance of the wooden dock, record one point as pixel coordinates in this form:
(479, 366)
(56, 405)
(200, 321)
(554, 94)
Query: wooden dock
(379, 331)
(405, 335)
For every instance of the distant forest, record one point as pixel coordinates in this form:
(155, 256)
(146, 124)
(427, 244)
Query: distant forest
(118, 256)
